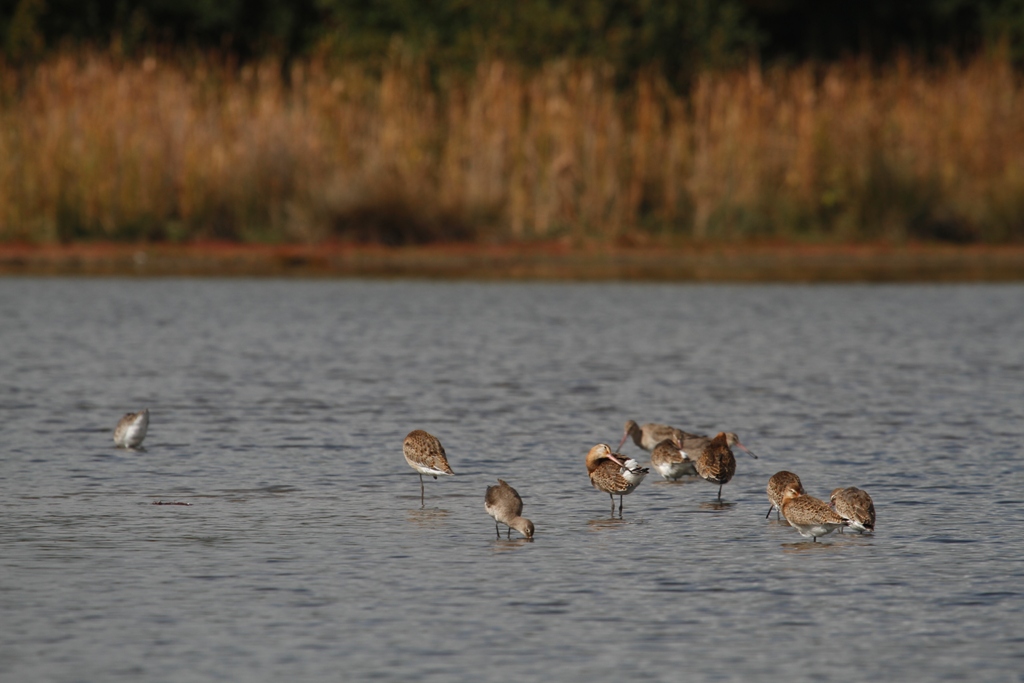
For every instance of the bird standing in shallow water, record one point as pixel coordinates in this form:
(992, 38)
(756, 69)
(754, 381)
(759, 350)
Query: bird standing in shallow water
(131, 429)
(426, 455)
(613, 473)
(777, 485)
(716, 462)
(504, 504)
(670, 461)
(856, 507)
(808, 515)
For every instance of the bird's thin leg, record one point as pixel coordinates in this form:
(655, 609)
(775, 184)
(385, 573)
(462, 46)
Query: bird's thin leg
(496, 529)
(620, 506)
(719, 493)
(509, 537)
(814, 539)
(769, 512)
(612, 497)
(421, 491)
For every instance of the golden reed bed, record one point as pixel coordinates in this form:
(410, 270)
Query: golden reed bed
(96, 147)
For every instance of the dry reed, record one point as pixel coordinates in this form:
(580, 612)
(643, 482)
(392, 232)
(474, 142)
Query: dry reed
(99, 148)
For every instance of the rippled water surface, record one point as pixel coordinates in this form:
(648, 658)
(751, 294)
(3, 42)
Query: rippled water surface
(278, 413)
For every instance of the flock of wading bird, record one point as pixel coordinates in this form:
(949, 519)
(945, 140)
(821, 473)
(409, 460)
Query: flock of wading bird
(670, 449)
(619, 475)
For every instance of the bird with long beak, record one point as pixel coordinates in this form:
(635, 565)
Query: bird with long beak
(613, 473)
(503, 503)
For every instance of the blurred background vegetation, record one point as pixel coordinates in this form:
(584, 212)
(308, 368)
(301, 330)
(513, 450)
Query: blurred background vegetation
(418, 120)
(679, 36)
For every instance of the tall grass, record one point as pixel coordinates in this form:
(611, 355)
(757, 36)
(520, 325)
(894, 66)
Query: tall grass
(94, 147)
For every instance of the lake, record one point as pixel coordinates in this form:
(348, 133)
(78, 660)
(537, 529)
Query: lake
(278, 410)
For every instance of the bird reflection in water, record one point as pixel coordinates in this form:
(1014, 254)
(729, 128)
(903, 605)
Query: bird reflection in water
(608, 523)
(716, 505)
(809, 547)
(427, 518)
(501, 545)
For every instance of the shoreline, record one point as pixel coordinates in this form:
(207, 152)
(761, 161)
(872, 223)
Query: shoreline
(549, 261)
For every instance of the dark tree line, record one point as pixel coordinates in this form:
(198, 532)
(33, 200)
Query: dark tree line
(677, 35)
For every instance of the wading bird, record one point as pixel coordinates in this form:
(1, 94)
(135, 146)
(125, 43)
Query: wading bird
(716, 462)
(670, 461)
(131, 429)
(613, 473)
(504, 504)
(426, 455)
(856, 507)
(808, 515)
(777, 486)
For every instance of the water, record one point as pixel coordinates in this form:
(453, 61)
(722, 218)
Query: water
(278, 413)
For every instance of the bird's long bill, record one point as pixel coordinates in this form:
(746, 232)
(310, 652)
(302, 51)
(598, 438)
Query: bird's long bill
(618, 462)
(624, 437)
(746, 450)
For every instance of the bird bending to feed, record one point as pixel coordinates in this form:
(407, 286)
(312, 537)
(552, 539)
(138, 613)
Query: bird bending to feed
(650, 435)
(504, 504)
(716, 462)
(613, 473)
(777, 486)
(426, 455)
(808, 515)
(131, 429)
(670, 461)
(855, 506)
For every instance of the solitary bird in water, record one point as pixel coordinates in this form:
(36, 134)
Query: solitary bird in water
(504, 504)
(651, 434)
(808, 515)
(777, 486)
(426, 455)
(131, 429)
(856, 507)
(613, 473)
(716, 462)
(670, 461)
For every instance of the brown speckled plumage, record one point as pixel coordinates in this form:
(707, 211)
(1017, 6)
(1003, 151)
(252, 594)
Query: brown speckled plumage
(777, 485)
(608, 472)
(671, 462)
(716, 462)
(855, 506)
(502, 502)
(426, 455)
(808, 515)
